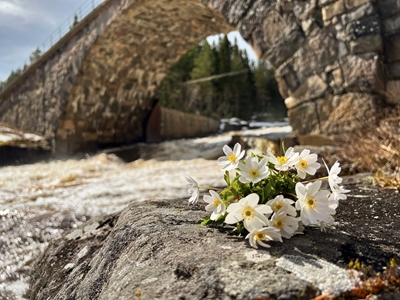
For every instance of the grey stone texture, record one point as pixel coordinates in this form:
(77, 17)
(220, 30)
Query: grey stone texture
(98, 83)
(157, 250)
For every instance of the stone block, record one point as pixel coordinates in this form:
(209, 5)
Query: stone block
(312, 58)
(333, 9)
(269, 29)
(393, 92)
(314, 140)
(363, 27)
(310, 28)
(285, 45)
(337, 76)
(313, 88)
(282, 87)
(342, 49)
(81, 124)
(363, 11)
(368, 43)
(286, 6)
(325, 106)
(235, 10)
(292, 102)
(388, 8)
(336, 82)
(62, 134)
(69, 125)
(89, 136)
(323, 3)
(106, 136)
(249, 15)
(350, 4)
(354, 111)
(393, 70)
(287, 79)
(288, 141)
(391, 24)
(362, 73)
(304, 119)
(392, 46)
(304, 10)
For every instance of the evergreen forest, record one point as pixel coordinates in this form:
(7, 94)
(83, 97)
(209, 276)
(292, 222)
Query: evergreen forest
(220, 81)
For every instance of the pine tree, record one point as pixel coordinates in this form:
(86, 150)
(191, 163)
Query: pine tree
(74, 22)
(172, 91)
(234, 95)
(35, 55)
(202, 94)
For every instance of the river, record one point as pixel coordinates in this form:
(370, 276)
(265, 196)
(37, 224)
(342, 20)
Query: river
(40, 202)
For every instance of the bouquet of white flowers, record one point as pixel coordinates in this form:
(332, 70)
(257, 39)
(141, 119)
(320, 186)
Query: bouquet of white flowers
(267, 197)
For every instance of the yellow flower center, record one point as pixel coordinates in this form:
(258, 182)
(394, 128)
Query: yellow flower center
(282, 159)
(216, 202)
(260, 236)
(232, 157)
(248, 213)
(279, 223)
(277, 206)
(311, 202)
(253, 173)
(302, 164)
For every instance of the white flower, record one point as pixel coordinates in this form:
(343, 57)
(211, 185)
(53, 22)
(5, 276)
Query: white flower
(252, 170)
(286, 224)
(279, 202)
(283, 163)
(216, 206)
(232, 158)
(254, 216)
(333, 174)
(337, 191)
(256, 236)
(307, 164)
(323, 225)
(313, 203)
(300, 228)
(193, 188)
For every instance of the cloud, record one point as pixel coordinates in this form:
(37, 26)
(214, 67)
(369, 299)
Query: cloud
(26, 24)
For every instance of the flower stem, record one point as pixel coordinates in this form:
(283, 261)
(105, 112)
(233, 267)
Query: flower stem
(210, 188)
(311, 180)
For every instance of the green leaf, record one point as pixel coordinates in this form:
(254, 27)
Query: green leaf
(227, 178)
(206, 221)
(268, 192)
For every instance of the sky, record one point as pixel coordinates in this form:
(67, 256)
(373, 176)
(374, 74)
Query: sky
(26, 24)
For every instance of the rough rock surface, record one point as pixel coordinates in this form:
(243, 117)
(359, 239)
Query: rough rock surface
(157, 250)
(18, 147)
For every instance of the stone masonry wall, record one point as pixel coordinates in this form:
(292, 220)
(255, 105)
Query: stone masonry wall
(337, 63)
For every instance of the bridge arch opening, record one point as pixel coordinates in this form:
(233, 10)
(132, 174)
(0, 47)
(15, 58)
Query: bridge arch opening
(115, 88)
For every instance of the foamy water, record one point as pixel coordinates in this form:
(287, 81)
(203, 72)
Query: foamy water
(41, 201)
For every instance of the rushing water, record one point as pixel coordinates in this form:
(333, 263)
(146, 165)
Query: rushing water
(41, 201)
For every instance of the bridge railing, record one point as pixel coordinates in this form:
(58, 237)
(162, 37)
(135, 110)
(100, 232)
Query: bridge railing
(69, 23)
(85, 9)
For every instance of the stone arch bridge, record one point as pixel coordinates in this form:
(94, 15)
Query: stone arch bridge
(337, 62)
